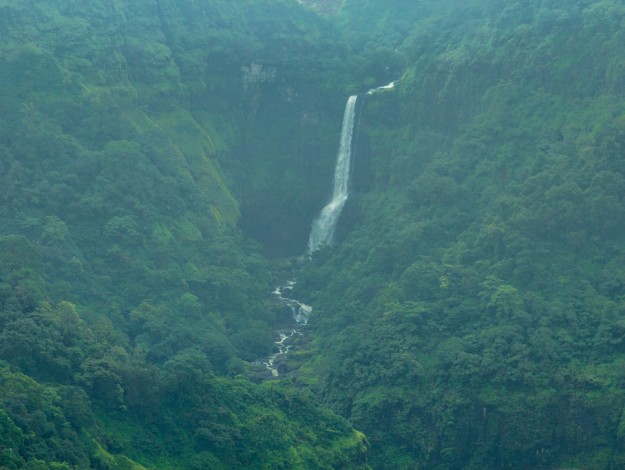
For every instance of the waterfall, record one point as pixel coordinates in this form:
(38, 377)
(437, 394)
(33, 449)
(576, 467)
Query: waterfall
(324, 225)
(322, 233)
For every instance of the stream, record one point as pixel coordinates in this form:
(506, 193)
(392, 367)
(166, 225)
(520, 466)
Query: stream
(300, 313)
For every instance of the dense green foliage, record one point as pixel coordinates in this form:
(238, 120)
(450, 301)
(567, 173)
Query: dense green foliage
(130, 303)
(153, 154)
(472, 317)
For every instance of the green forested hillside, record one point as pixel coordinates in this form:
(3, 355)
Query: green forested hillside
(160, 165)
(472, 316)
(131, 305)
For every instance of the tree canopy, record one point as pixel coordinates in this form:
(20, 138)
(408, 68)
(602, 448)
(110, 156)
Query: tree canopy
(160, 166)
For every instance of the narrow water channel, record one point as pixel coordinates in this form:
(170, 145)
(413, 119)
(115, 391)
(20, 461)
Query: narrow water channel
(300, 313)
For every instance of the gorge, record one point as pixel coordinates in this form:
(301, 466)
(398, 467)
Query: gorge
(323, 228)
(161, 163)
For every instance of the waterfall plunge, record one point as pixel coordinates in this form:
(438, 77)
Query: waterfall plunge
(322, 231)
(324, 226)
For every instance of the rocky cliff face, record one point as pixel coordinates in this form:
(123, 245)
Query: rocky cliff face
(257, 73)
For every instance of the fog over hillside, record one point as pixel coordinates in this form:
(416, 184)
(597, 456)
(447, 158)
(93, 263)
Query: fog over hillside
(285, 234)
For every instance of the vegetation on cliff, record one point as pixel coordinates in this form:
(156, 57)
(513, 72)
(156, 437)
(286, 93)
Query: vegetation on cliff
(472, 315)
(154, 155)
(131, 306)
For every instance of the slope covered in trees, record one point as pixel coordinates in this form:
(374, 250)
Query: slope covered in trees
(472, 316)
(131, 307)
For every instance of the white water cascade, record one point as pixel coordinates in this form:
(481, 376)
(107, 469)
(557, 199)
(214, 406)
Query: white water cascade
(324, 226)
(390, 86)
(300, 312)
